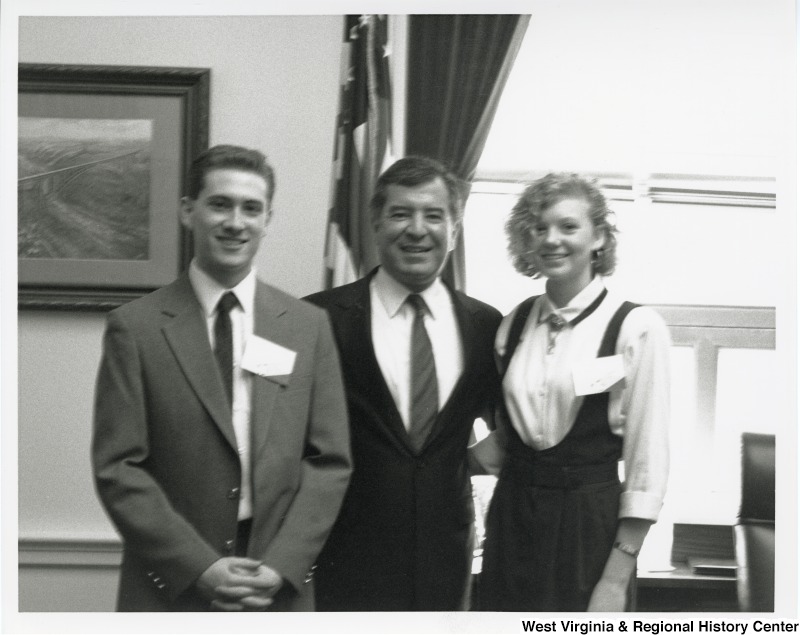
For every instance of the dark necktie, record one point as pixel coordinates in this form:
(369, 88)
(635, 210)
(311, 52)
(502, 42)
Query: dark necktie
(223, 337)
(424, 388)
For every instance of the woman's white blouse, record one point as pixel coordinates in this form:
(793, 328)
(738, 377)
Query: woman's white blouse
(539, 388)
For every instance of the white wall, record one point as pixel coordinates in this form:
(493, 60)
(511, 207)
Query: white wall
(660, 86)
(274, 86)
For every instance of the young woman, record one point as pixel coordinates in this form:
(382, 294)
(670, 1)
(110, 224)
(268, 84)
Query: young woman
(586, 384)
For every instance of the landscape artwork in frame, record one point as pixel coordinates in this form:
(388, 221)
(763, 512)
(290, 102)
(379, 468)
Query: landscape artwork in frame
(102, 155)
(84, 188)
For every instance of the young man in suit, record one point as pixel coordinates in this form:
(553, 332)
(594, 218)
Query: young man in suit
(220, 447)
(418, 370)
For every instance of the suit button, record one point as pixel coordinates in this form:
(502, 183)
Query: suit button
(229, 545)
(234, 493)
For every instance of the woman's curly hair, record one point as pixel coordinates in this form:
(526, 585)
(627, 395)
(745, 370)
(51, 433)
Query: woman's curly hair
(546, 192)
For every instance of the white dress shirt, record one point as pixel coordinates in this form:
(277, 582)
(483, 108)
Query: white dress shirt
(540, 394)
(392, 319)
(209, 292)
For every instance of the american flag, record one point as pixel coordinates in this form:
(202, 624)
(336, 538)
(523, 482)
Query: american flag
(362, 148)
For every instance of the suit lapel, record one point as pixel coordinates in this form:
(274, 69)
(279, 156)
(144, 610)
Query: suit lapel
(268, 324)
(362, 368)
(187, 336)
(466, 329)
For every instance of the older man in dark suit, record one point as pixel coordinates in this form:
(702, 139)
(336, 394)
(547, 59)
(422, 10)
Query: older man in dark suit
(418, 369)
(220, 446)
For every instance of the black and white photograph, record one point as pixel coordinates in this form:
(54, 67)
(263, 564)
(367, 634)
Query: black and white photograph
(99, 174)
(100, 151)
(399, 317)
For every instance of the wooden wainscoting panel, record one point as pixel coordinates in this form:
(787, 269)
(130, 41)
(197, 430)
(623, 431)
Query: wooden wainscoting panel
(68, 575)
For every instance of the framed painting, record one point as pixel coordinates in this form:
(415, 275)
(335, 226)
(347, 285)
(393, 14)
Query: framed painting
(103, 152)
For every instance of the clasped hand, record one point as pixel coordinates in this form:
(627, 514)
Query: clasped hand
(239, 584)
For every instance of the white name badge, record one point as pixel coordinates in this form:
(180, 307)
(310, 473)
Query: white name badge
(265, 358)
(599, 375)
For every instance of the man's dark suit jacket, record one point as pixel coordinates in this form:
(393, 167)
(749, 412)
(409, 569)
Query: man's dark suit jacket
(165, 455)
(403, 539)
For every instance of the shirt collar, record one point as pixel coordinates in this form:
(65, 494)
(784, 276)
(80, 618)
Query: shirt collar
(209, 291)
(576, 305)
(393, 294)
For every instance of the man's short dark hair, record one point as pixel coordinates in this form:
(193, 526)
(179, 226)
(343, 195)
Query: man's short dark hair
(229, 157)
(417, 170)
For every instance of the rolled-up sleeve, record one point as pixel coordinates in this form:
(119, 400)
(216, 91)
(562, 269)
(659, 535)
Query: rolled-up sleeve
(644, 413)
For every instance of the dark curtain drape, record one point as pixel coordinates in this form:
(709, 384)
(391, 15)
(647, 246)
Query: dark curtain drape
(457, 68)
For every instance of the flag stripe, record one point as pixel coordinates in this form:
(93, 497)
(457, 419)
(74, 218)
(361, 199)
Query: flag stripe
(362, 147)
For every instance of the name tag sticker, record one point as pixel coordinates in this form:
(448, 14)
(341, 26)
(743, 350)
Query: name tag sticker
(266, 359)
(599, 375)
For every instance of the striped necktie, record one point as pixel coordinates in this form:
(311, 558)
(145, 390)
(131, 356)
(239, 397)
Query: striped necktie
(424, 387)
